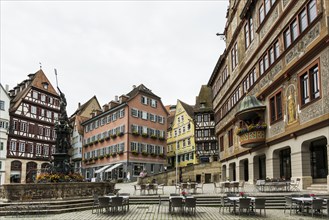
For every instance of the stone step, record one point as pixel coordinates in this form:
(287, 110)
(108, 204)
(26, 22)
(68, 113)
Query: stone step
(56, 207)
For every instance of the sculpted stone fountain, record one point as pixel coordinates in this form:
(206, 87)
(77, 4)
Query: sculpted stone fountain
(58, 181)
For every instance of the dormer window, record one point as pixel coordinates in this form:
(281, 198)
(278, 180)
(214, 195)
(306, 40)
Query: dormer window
(45, 85)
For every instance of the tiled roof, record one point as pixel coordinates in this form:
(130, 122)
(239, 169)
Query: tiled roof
(188, 108)
(143, 89)
(204, 100)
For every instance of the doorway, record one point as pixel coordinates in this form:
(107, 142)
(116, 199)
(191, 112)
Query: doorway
(319, 160)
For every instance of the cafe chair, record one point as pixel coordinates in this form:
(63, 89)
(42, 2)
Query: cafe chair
(104, 203)
(223, 204)
(95, 204)
(244, 203)
(294, 186)
(117, 203)
(177, 202)
(260, 204)
(289, 204)
(317, 206)
(137, 188)
(241, 185)
(190, 205)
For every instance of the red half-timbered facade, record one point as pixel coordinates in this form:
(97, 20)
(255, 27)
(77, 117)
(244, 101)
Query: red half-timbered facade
(34, 110)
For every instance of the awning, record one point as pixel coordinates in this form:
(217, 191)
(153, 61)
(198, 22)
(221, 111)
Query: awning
(103, 168)
(113, 167)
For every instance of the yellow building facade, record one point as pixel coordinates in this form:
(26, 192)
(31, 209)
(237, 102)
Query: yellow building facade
(180, 141)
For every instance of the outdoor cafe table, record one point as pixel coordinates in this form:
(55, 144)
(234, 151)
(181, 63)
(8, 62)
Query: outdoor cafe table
(183, 198)
(235, 199)
(305, 200)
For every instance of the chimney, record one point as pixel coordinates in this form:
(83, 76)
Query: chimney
(79, 105)
(116, 98)
(134, 86)
(7, 88)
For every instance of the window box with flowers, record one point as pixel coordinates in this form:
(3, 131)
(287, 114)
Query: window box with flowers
(153, 155)
(153, 136)
(120, 134)
(101, 157)
(108, 138)
(96, 142)
(113, 136)
(91, 143)
(134, 152)
(85, 160)
(120, 152)
(107, 155)
(135, 133)
(86, 145)
(101, 140)
(114, 154)
(161, 155)
(95, 158)
(145, 154)
(252, 135)
(145, 135)
(161, 138)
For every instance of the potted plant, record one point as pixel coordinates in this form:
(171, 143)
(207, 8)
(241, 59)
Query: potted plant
(145, 135)
(145, 153)
(134, 152)
(135, 133)
(153, 136)
(120, 134)
(113, 136)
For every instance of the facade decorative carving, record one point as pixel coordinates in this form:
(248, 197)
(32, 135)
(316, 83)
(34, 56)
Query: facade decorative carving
(299, 48)
(267, 26)
(276, 128)
(324, 60)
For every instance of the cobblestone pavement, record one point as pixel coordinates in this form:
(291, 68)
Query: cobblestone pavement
(151, 212)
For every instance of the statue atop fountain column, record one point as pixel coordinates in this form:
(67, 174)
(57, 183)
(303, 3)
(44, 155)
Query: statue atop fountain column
(63, 132)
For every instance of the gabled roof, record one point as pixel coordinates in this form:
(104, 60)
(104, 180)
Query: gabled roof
(36, 81)
(85, 105)
(143, 89)
(203, 101)
(171, 117)
(188, 108)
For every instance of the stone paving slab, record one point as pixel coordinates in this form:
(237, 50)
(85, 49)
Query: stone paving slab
(149, 212)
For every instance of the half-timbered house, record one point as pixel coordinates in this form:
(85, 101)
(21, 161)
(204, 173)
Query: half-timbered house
(34, 110)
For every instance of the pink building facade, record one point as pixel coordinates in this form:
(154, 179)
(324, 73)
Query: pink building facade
(128, 136)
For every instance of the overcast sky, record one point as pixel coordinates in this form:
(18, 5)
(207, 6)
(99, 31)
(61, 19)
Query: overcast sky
(103, 48)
